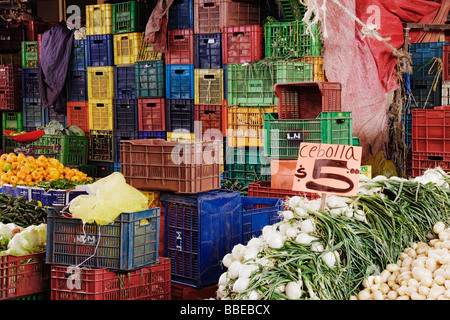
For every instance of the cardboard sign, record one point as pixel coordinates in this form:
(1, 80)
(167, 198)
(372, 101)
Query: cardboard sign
(328, 168)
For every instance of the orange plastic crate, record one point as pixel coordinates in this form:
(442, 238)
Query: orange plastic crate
(78, 114)
(148, 283)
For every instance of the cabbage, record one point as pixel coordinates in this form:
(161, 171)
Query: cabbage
(75, 131)
(30, 240)
(7, 232)
(53, 127)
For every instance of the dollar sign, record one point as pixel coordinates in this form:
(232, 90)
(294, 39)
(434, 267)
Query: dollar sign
(300, 173)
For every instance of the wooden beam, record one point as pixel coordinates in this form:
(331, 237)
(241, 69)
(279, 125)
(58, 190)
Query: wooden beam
(427, 26)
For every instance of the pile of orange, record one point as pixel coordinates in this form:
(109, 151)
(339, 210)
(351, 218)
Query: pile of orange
(21, 169)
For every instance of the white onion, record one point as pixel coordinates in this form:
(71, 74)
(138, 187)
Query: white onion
(330, 258)
(275, 240)
(292, 232)
(255, 243)
(317, 247)
(238, 251)
(251, 253)
(253, 295)
(227, 260)
(307, 226)
(246, 270)
(223, 279)
(304, 238)
(241, 284)
(288, 214)
(233, 270)
(295, 201)
(293, 290)
(301, 212)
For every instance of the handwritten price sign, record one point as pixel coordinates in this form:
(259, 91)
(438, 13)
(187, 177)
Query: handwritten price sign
(328, 168)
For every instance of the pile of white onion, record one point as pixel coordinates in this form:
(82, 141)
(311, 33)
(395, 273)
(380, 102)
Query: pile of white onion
(421, 273)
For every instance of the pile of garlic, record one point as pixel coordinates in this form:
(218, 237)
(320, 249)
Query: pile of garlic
(421, 273)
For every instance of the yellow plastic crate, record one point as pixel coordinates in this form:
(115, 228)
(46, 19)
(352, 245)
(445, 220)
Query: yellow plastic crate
(99, 19)
(318, 70)
(208, 86)
(153, 198)
(180, 137)
(147, 52)
(101, 114)
(100, 82)
(367, 171)
(246, 125)
(126, 48)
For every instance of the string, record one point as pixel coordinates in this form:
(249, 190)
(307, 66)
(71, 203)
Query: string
(95, 250)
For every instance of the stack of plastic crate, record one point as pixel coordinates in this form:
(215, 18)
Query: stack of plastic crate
(119, 261)
(179, 73)
(100, 86)
(426, 79)
(10, 105)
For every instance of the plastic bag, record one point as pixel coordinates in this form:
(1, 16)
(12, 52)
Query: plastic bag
(107, 199)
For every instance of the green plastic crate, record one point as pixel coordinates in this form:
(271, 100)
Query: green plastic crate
(8, 145)
(128, 17)
(337, 128)
(252, 84)
(74, 149)
(247, 165)
(292, 9)
(89, 169)
(150, 81)
(289, 39)
(12, 121)
(285, 135)
(30, 56)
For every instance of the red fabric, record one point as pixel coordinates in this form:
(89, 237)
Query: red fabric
(364, 66)
(156, 28)
(392, 16)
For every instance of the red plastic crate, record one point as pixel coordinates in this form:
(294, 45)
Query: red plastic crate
(10, 76)
(184, 292)
(39, 40)
(239, 13)
(422, 161)
(431, 130)
(152, 114)
(242, 44)
(23, 275)
(11, 99)
(211, 117)
(180, 47)
(445, 62)
(78, 114)
(148, 283)
(306, 100)
(263, 189)
(34, 28)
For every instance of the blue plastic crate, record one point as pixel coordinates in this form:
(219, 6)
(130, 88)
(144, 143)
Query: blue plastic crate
(152, 135)
(50, 114)
(180, 81)
(198, 231)
(180, 115)
(30, 83)
(421, 54)
(125, 244)
(124, 82)
(181, 15)
(119, 136)
(424, 96)
(258, 213)
(208, 51)
(100, 50)
(76, 86)
(79, 56)
(116, 166)
(125, 114)
(33, 113)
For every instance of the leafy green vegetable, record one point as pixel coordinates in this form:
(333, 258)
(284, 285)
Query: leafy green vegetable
(31, 240)
(61, 184)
